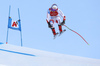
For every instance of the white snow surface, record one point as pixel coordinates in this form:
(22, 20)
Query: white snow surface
(11, 55)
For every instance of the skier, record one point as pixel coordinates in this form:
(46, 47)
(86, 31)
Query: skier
(53, 17)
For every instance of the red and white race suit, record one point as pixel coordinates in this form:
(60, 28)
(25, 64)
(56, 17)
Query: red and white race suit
(53, 16)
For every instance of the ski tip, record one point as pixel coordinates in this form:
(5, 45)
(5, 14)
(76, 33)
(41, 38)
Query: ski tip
(64, 30)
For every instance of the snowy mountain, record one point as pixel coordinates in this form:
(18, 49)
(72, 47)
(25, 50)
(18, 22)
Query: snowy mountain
(21, 56)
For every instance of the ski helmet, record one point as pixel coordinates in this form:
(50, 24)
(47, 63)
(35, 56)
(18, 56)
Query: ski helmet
(54, 7)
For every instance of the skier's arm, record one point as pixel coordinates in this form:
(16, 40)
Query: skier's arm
(48, 16)
(62, 15)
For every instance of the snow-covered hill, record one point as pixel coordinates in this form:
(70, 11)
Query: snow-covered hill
(21, 56)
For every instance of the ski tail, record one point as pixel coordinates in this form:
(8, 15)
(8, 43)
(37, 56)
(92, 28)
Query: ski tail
(77, 34)
(56, 35)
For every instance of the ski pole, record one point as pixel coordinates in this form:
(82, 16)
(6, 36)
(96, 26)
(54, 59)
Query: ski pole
(76, 33)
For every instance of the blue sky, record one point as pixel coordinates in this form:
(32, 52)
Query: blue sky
(83, 16)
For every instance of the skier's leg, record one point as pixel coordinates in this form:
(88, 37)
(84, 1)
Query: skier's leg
(53, 31)
(52, 23)
(60, 28)
(58, 20)
(59, 24)
(52, 28)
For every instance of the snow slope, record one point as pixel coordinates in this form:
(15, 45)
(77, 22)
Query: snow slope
(21, 56)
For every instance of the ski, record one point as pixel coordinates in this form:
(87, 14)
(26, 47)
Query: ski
(62, 32)
(59, 34)
(55, 35)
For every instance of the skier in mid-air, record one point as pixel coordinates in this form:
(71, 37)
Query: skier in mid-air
(53, 17)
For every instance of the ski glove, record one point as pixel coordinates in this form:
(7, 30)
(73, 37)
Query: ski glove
(49, 25)
(63, 22)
